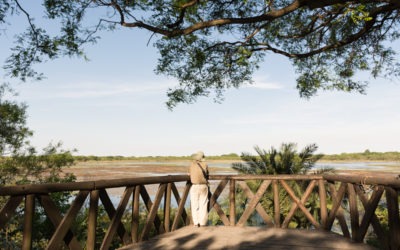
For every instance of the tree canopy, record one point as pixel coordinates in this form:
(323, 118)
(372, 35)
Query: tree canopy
(13, 129)
(19, 161)
(210, 46)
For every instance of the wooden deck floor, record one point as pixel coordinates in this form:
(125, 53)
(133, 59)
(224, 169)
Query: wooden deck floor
(254, 238)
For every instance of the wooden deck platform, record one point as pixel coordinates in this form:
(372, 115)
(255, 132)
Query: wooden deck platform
(254, 238)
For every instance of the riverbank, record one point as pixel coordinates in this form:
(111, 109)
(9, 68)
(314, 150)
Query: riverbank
(97, 170)
(363, 156)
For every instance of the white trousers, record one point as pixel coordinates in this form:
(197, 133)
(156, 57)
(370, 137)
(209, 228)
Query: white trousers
(199, 204)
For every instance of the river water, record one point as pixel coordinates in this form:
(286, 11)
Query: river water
(226, 167)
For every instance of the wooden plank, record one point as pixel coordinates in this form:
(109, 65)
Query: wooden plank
(45, 188)
(28, 221)
(374, 220)
(337, 210)
(336, 206)
(153, 212)
(277, 209)
(135, 215)
(248, 238)
(246, 177)
(124, 182)
(354, 215)
(232, 203)
(181, 206)
(88, 185)
(167, 207)
(109, 207)
(92, 220)
(389, 179)
(336, 202)
(9, 209)
(66, 222)
(217, 192)
(254, 203)
(181, 212)
(55, 216)
(116, 220)
(149, 204)
(221, 214)
(214, 204)
(370, 208)
(392, 201)
(299, 203)
(323, 203)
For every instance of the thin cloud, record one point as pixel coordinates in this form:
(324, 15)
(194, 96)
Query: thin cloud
(91, 90)
(265, 86)
(262, 82)
(107, 91)
(252, 121)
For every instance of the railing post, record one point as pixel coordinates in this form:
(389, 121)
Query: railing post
(181, 208)
(392, 199)
(232, 201)
(135, 215)
(28, 220)
(277, 209)
(92, 219)
(322, 203)
(167, 207)
(354, 215)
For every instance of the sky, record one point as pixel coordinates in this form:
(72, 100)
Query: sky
(114, 104)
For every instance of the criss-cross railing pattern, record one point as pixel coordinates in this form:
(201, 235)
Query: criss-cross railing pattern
(355, 201)
(98, 195)
(346, 204)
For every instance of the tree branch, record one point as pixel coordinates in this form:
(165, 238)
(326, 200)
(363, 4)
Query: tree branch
(33, 28)
(182, 14)
(218, 22)
(369, 25)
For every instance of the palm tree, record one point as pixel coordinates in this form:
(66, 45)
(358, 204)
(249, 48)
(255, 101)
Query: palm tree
(285, 161)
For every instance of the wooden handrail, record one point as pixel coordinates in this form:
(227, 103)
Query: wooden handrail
(87, 185)
(392, 180)
(364, 193)
(266, 177)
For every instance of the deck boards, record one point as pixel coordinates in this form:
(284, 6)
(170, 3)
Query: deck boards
(255, 238)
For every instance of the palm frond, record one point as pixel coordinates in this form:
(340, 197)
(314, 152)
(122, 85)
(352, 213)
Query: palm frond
(284, 161)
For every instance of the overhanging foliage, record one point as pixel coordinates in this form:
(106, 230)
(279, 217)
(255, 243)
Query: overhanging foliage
(210, 46)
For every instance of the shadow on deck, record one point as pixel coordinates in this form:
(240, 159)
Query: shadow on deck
(225, 237)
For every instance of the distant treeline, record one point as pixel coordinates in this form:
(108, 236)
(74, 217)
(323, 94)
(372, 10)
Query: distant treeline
(232, 156)
(365, 156)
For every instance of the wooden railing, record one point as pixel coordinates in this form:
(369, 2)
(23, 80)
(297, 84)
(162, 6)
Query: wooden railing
(355, 206)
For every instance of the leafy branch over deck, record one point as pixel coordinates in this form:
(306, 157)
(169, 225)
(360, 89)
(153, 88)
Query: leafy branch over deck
(210, 46)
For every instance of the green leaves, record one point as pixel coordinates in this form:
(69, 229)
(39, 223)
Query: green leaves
(285, 161)
(13, 129)
(358, 13)
(203, 67)
(211, 46)
(36, 44)
(19, 162)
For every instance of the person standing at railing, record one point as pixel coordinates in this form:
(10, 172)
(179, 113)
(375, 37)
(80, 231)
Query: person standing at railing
(198, 172)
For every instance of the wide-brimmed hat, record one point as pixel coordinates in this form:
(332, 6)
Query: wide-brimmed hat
(199, 156)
